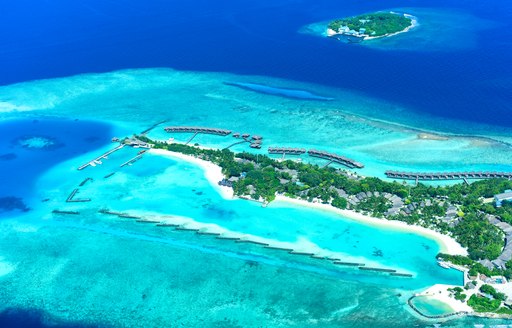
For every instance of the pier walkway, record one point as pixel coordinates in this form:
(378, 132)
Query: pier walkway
(196, 129)
(335, 158)
(447, 175)
(153, 126)
(286, 150)
(97, 159)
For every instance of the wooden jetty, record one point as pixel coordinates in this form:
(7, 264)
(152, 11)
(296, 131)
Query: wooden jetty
(301, 253)
(109, 175)
(447, 175)
(349, 263)
(167, 225)
(84, 182)
(248, 241)
(71, 198)
(398, 274)
(133, 160)
(286, 150)
(197, 129)
(128, 216)
(106, 211)
(208, 233)
(227, 238)
(182, 228)
(279, 248)
(147, 221)
(377, 269)
(335, 158)
(65, 212)
(104, 155)
(153, 126)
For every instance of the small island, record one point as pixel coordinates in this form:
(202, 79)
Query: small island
(371, 26)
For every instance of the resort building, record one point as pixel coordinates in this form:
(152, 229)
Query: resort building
(499, 198)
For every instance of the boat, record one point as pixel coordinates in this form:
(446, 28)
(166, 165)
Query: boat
(443, 264)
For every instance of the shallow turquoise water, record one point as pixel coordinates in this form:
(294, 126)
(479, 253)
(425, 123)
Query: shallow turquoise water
(76, 267)
(431, 306)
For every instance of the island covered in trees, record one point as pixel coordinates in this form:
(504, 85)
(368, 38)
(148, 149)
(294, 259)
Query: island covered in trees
(369, 26)
(465, 212)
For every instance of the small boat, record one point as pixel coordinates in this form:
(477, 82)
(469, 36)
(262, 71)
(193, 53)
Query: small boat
(443, 264)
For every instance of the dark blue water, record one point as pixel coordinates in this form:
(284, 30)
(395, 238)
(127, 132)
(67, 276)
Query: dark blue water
(42, 39)
(23, 161)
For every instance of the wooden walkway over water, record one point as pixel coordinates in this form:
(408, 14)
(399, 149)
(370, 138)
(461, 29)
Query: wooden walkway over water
(286, 150)
(197, 129)
(97, 159)
(447, 175)
(335, 158)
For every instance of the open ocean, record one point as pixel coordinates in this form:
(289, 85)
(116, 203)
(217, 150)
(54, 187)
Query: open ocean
(75, 74)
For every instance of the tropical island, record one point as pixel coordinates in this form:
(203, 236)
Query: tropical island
(371, 26)
(468, 213)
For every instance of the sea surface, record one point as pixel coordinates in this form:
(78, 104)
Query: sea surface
(75, 75)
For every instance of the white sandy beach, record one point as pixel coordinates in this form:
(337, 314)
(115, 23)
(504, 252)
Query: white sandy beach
(448, 245)
(414, 23)
(214, 174)
(440, 292)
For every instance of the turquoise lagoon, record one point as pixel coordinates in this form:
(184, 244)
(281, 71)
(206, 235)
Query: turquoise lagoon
(103, 270)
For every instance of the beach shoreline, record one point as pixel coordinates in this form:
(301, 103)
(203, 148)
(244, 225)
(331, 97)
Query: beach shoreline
(447, 244)
(213, 174)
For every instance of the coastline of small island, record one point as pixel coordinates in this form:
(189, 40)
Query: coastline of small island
(371, 26)
(485, 289)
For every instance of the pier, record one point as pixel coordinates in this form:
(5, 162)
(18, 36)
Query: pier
(71, 198)
(377, 269)
(349, 263)
(335, 158)
(447, 175)
(65, 212)
(153, 126)
(84, 182)
(286, 151)
(97, 160)
(254, 142)
(197, 130)
(133, 160)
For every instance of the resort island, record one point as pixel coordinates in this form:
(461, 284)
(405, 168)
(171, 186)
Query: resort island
(476, 216)
(371, 26)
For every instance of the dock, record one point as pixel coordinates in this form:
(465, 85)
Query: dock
(248, 241)
(349, 263)
(153, 126)
(65, 212)
(109, 175)
(398, 274)
(447, 175)
(133, 160)
(196, 130)
(84, 182)
(350, 163)
(71, 198)
(97, 159)
(377, 269)
(286, 151)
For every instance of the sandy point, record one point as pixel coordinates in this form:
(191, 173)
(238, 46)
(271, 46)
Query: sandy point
(447, 244)
(212, 172)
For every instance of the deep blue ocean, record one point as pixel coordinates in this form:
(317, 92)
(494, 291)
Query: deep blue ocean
(471, 81)
(44, 39)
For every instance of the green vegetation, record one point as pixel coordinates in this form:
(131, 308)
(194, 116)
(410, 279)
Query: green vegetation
(488, 289)
(458, 293)
(475, 268)
(261, 178)
(483, 304)
(375, 25)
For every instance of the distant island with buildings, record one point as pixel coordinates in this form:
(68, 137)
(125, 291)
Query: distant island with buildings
(371, 26)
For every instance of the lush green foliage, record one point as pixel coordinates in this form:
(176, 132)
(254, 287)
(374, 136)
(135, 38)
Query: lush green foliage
(483, 304)
(377, 24)
(261, 177)
(488, 289)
